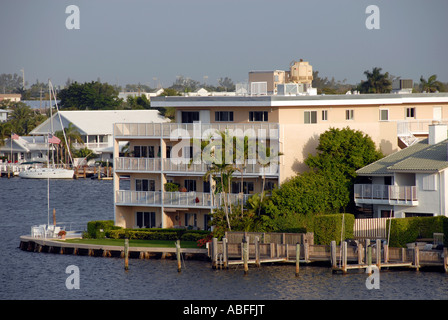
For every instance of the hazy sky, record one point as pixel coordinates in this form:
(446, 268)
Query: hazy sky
(135, 41)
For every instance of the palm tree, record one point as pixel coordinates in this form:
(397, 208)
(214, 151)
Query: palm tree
(72, 134)
(376, 82)
(5, 132)
(432, 85)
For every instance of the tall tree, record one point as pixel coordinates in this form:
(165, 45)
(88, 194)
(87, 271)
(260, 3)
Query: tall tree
(89, 96)
(431, 85)
(376, 82)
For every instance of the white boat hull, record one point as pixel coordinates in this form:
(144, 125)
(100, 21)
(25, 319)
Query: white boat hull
(45, 173)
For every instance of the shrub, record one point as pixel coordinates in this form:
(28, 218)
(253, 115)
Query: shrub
(408, 230)
(328, 228)
(100, 228)
(158, 234)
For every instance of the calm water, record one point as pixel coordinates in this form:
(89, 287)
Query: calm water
(27, 275)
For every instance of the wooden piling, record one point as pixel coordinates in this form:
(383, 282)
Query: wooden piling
(179, 262)
(445, 259)
(344, 257)
(297, 259)
(378, 253)
(369, 257)
(416, 258)
(333, 257)
(126, 254)
(245, 256)
(214, 253)
(257, 252)
(225, 253)
(360, 253)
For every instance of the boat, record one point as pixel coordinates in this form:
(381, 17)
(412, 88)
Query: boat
(49, 172)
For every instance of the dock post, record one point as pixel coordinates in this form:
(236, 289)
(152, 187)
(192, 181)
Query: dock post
(386, 253)
(225, 253)
(214, 252)
(445, 259)
(257, 251)
(360, 253)
(369, 257)
(416, 257)
(245, 255)
(126, 254)
(378, 253)
(306, 251)
(333, 254)
(297, 259)
(344, 257)
(179, 263)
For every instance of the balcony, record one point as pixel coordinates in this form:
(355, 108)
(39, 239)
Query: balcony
(175, 199)
(173, 165)
(385, 194)
(124, 164)
(189, 130)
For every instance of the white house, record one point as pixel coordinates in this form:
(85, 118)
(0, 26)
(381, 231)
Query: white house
(410, 182)
(25, 148)
(96, 127)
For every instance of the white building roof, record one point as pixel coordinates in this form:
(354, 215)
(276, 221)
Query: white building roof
(98, 122)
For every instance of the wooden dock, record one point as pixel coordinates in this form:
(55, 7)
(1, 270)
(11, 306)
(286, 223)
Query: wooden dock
(89, 172)
(28, 243)
(341, 258)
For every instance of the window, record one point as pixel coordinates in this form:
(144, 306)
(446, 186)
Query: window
(384, 114)
(258, 116)
(207, 219)
(190, 116)
(146, 219)
(310, 117)
(168, 152)
(248, 187)
(429, 182)
(349, 114)
(191, 220)
(223, 115)
(410, 112)
(324, 115)
(140, 151)
(206, 186)
(145, 185)
(190, 185)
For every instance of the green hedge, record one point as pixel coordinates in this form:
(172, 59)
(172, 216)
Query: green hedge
(99, 229)
(328, 228)
(408, 230)
(158, 234)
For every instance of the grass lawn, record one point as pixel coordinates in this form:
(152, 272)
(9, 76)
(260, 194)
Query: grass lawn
(136, 243)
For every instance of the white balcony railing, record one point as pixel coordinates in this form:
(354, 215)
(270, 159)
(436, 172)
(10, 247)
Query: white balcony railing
(129, 164)
(181, 130)
(176, 199)
(415, 126)
(137, 164)
(378, 193)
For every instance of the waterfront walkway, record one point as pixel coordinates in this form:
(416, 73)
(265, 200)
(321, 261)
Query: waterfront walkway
(28, 243)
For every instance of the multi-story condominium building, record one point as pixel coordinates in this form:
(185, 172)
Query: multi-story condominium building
(290, 125)
(410, 182)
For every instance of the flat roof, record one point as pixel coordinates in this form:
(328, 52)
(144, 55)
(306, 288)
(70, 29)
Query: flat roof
(300, 100)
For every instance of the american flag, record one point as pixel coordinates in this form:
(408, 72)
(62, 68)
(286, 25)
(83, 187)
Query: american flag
(53, 139)
(14, 136)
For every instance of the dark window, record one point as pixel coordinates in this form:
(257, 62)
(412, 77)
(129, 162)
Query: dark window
(223, 115)
(145, 185)
(258, 116)
(190, 116)
(190, 185)
(146, 219)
